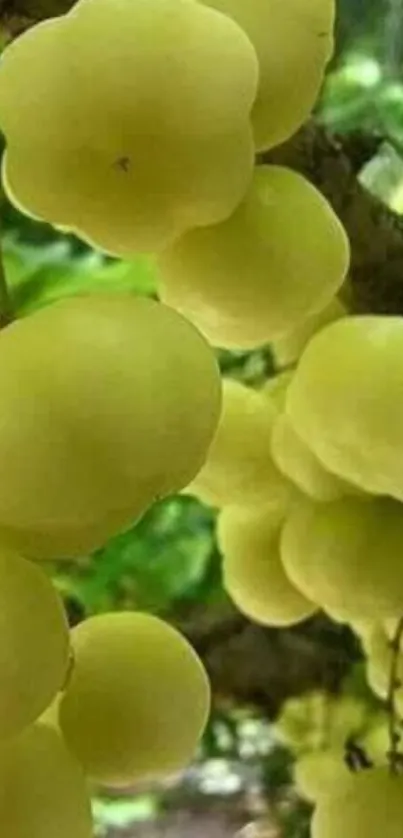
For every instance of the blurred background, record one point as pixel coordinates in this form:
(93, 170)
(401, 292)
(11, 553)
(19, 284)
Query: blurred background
(277, 694)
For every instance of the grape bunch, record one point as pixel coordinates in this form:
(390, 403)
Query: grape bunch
(137, 126)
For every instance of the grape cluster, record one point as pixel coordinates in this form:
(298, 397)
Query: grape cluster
(136, 126)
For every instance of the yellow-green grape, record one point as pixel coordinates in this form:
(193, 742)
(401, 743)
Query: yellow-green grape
(239, 468)
(376, 741)
(345, 398)
(117, 398)
(377, 648)
(288, 349)
(137, 700)
(258, 275)
(297, 462)
(50, 717)
(43, 793)
(317, 721)
(294, 41)
(253, 573)
(317, 773)
(370, 805)
(276, 390)
(335, 554)
(156, 147)
(34, 643)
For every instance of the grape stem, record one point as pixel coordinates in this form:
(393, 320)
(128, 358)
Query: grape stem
(394, 756)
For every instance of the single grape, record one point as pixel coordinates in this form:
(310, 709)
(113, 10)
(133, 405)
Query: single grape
(258, 275)
(117, 399)
(43, 793)
(335, 554)
(376, 741)
(125, 135)
(253, 573)
(287, 350)
(137, 700)
(300, 465)
(294, 41)
(345, 397)
(239, 468)
(317, 773)
(34, 643)
(370, 805)
(275, 388)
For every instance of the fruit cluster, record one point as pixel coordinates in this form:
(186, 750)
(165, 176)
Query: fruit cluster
(135, 124)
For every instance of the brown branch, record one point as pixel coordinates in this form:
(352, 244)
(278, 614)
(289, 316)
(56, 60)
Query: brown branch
(250, 664)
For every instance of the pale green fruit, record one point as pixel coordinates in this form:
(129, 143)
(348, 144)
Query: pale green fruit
(287, 350)
(275, 389)
(239, 468)
(371, 805)
(34, 643)
(317, 721)
(317, 773)
(376, 741)
(294, 41)
(258, 275)
(117, 399)
(155, 146)
(137, 701)
(43, 793)
(335, 554)
(297, 462)
(253, 573)
(345, 400)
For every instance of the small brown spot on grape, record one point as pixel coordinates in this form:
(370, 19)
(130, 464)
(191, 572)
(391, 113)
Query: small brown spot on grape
(123, 163)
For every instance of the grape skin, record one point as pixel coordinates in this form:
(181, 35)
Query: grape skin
(155, 146)
(335, 554)
(316, 773)
(118, 399)
(288, 350)
(294, 41)
(137, 700)
(43, 793)
(34, 643)
(239, 468)
(371, 805)
(297, 462)
(253, 574)
(257, 276)
(345, 401)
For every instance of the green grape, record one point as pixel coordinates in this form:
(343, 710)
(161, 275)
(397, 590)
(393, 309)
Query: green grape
(297, 462)
(376, 741)
(43, 793)
(258, 275)
(154, 146)
(137, 700)
(370, 805)
(294, 41)
(275, 389)
(376, 646)
(317, 773)
(344, 400)
(253, 573)
(287, 350)
(239, 468)
(34, 643)
(117, 399)
(335, 554)
(316, 722)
